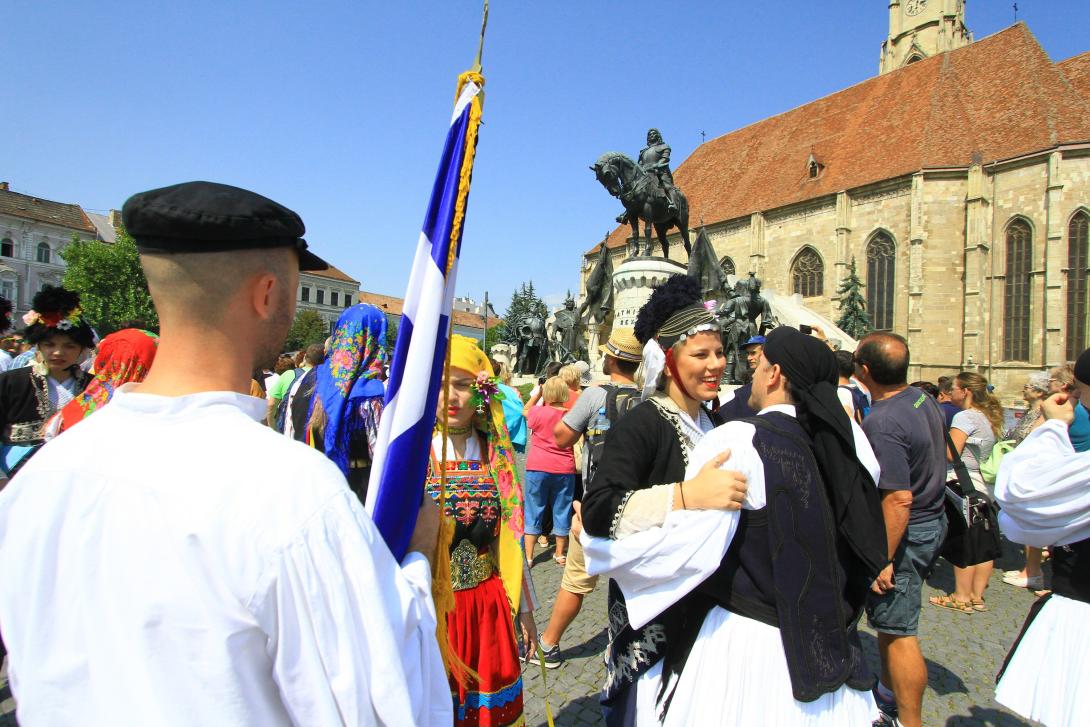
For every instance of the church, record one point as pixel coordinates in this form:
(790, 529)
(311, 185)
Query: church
(967, 215)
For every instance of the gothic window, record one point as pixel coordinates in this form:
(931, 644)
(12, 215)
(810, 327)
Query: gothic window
(7, 247)
(727, 265)
(43, 252)
(881, 261)
(807, 273)
(1077, 289)
(1016, 292)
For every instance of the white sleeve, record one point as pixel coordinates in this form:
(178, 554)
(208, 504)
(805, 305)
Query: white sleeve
(351, 633)
(1043, 488)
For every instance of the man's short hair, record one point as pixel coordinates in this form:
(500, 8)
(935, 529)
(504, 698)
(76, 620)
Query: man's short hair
(945, 384)
(844, 363)
(624, 367)
(927, 387)
(886, 356)
(315, 354)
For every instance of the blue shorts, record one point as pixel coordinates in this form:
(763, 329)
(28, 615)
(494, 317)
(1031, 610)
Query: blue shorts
(545, 489)
(898, 612)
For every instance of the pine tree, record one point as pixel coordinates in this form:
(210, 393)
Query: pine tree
(524, 304)
(853, 307)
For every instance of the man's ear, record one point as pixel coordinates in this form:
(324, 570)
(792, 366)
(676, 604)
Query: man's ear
(263, 294)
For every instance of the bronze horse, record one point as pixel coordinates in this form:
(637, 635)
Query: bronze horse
(642, 198)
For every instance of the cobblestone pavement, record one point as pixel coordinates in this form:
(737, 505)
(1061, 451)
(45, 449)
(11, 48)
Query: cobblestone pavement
(963, 652)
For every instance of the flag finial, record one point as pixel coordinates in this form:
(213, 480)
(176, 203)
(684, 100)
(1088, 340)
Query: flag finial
(480, 45)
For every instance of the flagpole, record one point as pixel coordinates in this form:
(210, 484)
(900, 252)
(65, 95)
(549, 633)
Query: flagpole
(480, 45)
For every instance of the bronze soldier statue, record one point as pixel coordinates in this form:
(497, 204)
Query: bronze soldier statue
(566, 333)
(655, 159)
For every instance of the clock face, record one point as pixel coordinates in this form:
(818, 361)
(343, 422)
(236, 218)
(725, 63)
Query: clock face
(913, 7)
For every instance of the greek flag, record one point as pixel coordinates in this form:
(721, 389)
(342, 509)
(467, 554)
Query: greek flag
(403, 447)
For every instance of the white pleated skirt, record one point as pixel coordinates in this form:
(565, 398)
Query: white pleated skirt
(737, 675)
(1048, 677)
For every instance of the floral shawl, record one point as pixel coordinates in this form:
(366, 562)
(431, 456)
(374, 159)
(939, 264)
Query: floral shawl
(349, 383)
(122, 357)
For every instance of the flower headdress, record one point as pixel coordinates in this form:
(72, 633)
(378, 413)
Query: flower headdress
(57, 309)
(486, 389)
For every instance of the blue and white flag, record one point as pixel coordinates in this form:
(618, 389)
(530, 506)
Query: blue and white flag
(402, 450)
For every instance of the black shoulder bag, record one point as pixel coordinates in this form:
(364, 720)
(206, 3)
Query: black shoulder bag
(972, 536)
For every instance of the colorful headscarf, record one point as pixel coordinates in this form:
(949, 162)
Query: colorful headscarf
(466, 355)
(122, 357)
(349, 383)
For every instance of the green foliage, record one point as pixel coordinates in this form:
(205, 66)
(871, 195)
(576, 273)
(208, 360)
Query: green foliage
(497, 333)
(307, 328)
(524, 391)
(524, 303)
(391, 336)
(853, 307)
(112, 287)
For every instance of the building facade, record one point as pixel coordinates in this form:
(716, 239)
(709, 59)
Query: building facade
(967, 217)
(327, 292)
(463, 322)
(33, 233)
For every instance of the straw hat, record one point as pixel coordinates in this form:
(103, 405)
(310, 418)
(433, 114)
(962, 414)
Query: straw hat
(623, 345)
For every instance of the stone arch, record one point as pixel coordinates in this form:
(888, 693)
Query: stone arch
(881, 254)
(727, 265)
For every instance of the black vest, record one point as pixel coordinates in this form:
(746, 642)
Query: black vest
(786, 567)
(1071, 570)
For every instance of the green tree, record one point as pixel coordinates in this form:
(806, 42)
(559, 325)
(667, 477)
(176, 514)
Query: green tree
(111, 284)
(524, 303)
(497, 333)
(853, 307)
(391, 337)
(307, 328)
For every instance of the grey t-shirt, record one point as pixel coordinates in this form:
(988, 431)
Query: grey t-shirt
(978, 443)
(907, 433)
(584, 411)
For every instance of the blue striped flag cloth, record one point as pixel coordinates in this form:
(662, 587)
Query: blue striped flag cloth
(403, 446)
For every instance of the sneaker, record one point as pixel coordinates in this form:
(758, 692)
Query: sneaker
(1014, 578)
(551, 656)
(887, 711)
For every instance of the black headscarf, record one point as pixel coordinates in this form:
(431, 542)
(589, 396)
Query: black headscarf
(811, 371)
(1082, 367)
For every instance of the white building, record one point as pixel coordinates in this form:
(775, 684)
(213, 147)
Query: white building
(33, 232)
(328, 292)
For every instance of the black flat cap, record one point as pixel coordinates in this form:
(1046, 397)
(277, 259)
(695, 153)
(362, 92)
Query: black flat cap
(211, 217)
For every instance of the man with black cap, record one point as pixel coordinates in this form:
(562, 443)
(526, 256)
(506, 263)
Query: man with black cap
(1043, 488)
(769, 635)
(173, 561)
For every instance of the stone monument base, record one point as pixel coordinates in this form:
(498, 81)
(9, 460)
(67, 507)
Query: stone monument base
(633, 281)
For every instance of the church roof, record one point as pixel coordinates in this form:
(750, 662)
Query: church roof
(1077, 71)
(1001, 97)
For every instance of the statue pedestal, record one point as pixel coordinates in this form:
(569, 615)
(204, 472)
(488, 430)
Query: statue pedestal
(632, 283)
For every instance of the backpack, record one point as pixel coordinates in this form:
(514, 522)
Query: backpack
(989, 468)
(282, 407)
(859, 402)
(619, 401)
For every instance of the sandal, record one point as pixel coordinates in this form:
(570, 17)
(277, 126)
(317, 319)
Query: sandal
(560, 559)
(978, 604)
(948, 601)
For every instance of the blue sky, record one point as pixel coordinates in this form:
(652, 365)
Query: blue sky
(338, 108)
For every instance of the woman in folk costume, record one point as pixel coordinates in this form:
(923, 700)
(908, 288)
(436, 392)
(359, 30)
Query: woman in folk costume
(1043, 490)
(472, 463)
(344, 403)
(29, 396)
(122, 357)
(641, 475)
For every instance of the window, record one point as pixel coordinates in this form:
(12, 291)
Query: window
(347, 300)
(1016, 292)
(305, 297)
(321, 297)
(334, 298)
(881, 259)
(807, 273)
(43, 252)
(1077, 289)
(7, 289)
(727, 265)
(7, 247)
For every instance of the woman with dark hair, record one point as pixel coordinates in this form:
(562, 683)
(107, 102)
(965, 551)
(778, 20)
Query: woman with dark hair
(641, 476)
(30, 396)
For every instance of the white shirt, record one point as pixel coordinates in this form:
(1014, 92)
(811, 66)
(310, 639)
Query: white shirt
(173, 562)
(5, 360)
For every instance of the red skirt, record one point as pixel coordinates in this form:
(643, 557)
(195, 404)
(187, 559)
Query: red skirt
(482, 635)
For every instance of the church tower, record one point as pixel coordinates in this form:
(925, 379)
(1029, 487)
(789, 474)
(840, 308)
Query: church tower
(919, 29)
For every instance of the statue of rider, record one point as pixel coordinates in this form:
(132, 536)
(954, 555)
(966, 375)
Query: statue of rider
(655, 160)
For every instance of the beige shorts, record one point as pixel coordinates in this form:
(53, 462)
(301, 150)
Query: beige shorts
(575, 579)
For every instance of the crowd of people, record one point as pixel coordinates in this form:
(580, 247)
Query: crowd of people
(199, 550)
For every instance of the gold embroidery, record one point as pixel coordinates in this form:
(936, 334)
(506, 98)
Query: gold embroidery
(468, 568)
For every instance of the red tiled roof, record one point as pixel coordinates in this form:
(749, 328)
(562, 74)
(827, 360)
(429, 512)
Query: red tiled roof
(44, 210)
(1000, 97)
(1077, 71)
(333, 274)
(392, 305)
